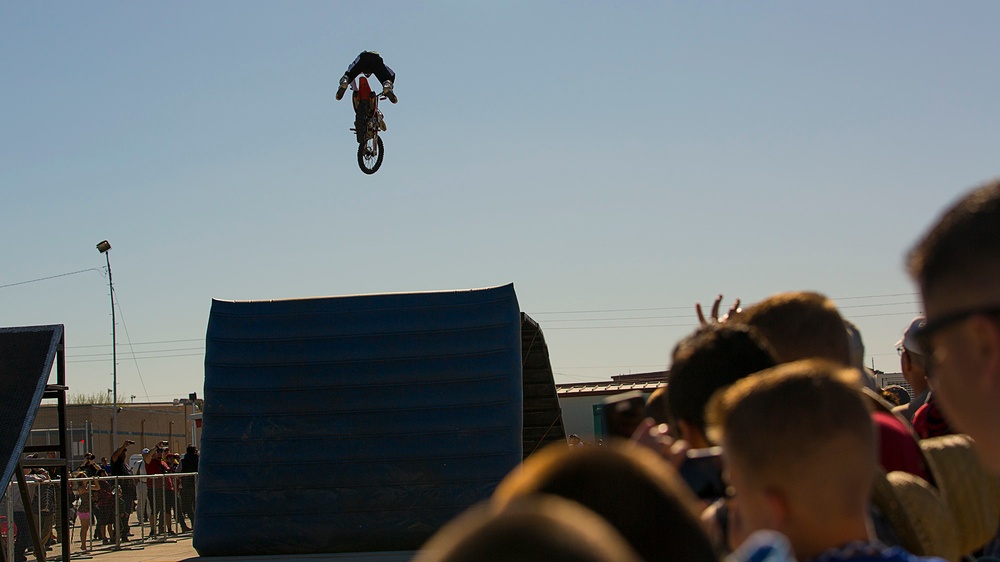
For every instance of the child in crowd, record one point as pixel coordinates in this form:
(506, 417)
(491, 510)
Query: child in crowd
(83, 489)
(801, 452)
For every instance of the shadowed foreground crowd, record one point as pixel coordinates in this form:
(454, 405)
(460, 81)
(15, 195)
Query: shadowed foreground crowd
(818, 464)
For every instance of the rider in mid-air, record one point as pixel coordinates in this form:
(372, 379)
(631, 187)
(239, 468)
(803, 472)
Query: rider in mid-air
(367, 63)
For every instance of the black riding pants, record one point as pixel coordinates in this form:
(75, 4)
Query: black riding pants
(370, 63)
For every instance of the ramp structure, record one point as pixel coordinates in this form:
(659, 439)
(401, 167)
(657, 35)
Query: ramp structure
(355, 424)
(27, 355)
(543, 423)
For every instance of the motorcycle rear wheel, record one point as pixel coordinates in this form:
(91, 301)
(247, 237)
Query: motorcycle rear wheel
(370, 154)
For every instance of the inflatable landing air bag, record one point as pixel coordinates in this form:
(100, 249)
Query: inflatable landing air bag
(354, 424)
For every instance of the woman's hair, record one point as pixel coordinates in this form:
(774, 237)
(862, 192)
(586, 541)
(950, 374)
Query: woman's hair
(631, 487)
(533, 529)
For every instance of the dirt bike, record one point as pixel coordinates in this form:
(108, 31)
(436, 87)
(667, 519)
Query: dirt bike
(368, 123)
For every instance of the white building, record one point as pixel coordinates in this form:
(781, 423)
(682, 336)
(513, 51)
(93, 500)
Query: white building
(581, 402)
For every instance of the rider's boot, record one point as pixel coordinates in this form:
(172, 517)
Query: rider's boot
(387, 91)
(343, 87)
(381, 124)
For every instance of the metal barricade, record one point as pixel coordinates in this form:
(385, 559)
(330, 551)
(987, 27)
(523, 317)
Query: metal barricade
(121, 509)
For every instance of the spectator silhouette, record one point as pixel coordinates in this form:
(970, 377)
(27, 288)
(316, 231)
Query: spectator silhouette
(913, 364)
(806, 471)
(956, 265)
(629, 486)
(84, 488)
(799, 325)
(807, 325)
(120, 467)
(713, 357)
(539, 529)
(188, 487)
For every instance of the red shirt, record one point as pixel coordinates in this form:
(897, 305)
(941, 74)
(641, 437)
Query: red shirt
(898, 449)
(159, 467)
(929, 422)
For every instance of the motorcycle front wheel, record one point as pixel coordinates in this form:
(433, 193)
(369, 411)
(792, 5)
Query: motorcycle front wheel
(370, 154)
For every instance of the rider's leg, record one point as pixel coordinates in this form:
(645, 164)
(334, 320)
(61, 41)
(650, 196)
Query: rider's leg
(383, 72)
(387, 77)
(345, 81)
(387, 91)
(352, 72)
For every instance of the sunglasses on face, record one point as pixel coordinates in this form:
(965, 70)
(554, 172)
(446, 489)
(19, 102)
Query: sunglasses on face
(925, 335)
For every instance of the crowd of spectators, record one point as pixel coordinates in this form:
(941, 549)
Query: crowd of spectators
(96, 497)
(819, 463)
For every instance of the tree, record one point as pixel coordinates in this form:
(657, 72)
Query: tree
(92, 398)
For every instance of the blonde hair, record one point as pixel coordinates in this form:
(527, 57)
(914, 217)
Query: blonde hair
(800, 325)
(801, 425)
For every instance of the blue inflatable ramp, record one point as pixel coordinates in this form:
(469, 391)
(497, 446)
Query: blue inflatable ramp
(356, 423)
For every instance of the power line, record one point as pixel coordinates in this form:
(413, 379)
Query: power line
(136, 343)
(691, 316)
(144, 359)
(108, 354)
(649, 366)
(180, 352)
(605, 319)
(49, 277)
(548, 326)
(691, 306)
(121, 313)
(614, 310)
(876, 296)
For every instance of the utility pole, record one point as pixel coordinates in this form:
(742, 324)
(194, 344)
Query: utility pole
(103, 247)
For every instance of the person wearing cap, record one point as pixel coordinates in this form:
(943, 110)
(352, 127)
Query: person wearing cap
(160, 491)
(914, 365)
(142, 507)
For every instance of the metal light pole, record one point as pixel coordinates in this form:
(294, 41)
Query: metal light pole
(103, 247)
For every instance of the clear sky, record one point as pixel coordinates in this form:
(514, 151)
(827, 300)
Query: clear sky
(617, 162)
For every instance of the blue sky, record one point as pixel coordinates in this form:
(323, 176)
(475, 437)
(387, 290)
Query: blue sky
(616, 162)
